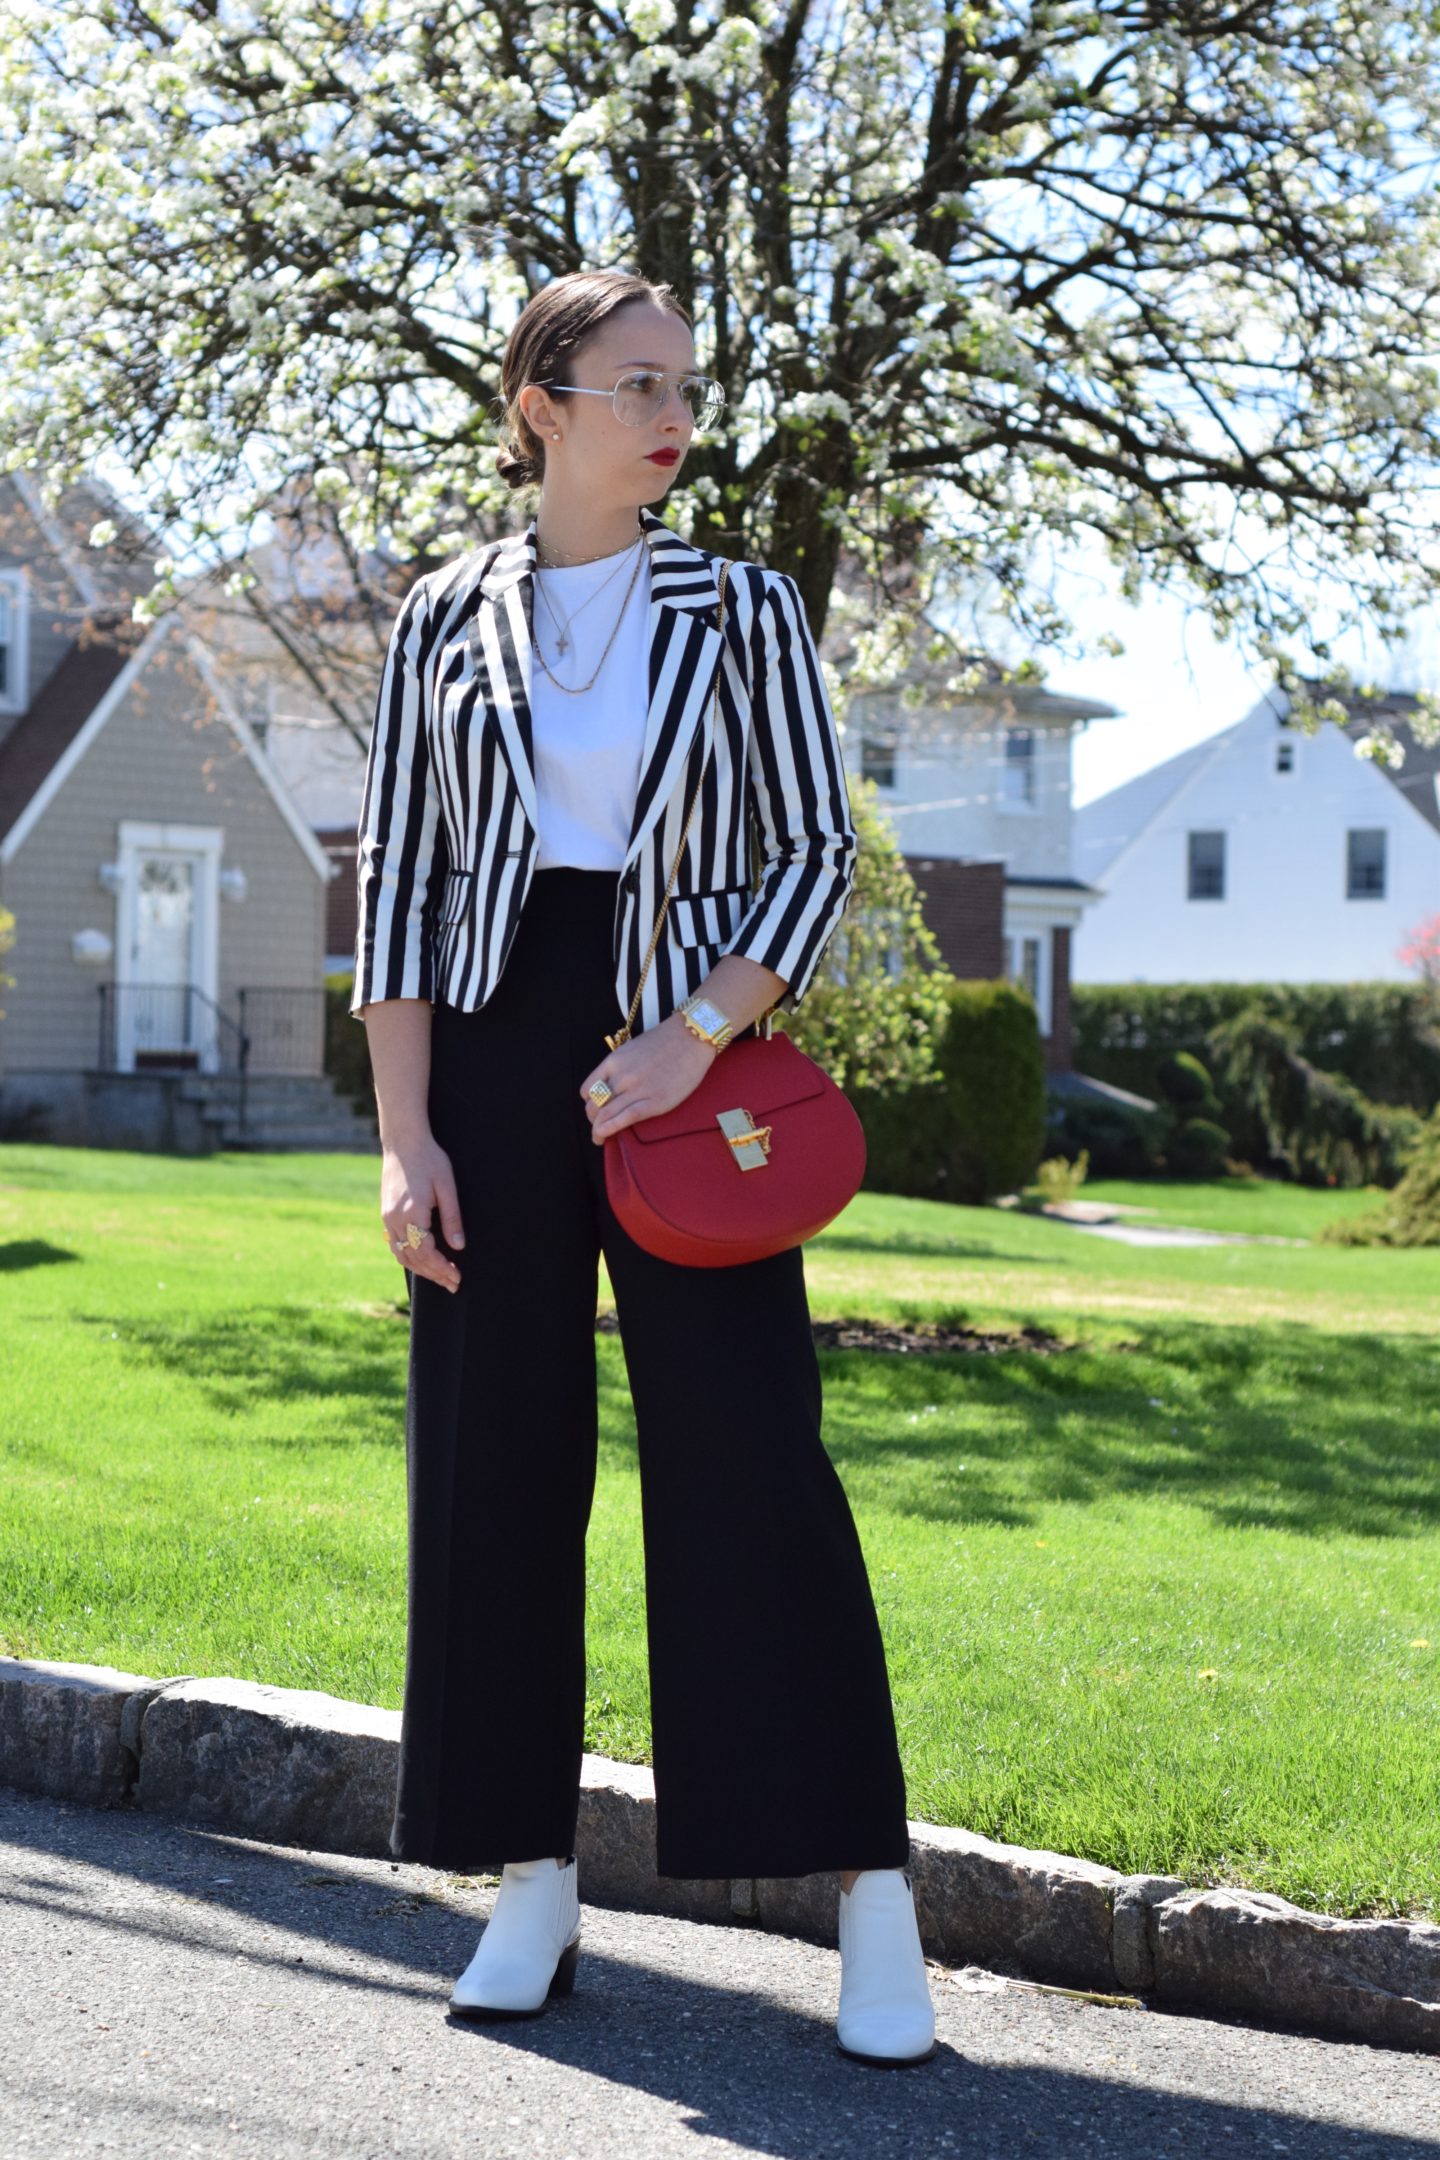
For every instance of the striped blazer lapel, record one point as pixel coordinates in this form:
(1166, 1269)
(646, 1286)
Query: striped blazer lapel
(502, 649)
(684, 660)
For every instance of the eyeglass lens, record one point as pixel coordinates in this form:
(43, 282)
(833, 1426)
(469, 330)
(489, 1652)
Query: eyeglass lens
(639, 397)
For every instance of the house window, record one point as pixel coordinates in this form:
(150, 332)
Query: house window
(12, 641)
(1018, 782)
(1207, 866)
(1285, 757)
(877, 759)
(1025, 964)
(1365, 863)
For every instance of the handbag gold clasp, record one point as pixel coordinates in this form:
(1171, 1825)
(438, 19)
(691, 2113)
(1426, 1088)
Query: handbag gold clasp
(741, 1131)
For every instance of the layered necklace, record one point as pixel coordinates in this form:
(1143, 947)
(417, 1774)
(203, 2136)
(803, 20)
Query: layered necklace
(563, 630)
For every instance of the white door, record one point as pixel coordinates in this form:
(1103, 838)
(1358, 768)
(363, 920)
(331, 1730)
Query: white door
(161, 1023)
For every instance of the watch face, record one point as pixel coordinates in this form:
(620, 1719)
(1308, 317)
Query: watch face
(709, 1016)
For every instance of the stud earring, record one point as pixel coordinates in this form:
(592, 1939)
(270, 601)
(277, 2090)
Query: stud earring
(555, 437)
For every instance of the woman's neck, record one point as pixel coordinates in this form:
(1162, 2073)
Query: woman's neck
(564, 534)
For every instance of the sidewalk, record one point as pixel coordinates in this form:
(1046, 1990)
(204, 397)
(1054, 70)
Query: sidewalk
(173, 1990)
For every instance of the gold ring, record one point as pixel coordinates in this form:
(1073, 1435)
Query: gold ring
(414, 1235)
(600, 1092)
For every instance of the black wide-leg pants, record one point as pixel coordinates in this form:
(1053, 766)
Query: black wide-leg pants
(773, 1732)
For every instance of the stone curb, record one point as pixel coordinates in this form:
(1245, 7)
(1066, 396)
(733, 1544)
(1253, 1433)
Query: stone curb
(293, 1766)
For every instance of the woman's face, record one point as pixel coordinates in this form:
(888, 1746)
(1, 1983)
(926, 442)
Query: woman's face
(599, 456)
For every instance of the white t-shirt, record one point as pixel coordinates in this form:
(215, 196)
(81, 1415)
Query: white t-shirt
(587, 747)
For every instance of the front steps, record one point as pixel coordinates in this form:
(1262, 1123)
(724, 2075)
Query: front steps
(284, 1113)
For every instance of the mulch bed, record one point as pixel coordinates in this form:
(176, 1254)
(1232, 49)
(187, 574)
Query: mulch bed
(881, 1335)
(886, 1335)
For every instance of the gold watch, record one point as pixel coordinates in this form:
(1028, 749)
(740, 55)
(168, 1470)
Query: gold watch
(704, 1018)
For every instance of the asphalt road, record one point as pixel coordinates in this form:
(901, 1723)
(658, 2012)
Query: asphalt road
(168, 1990)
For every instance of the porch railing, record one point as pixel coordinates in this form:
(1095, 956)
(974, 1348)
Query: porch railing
(283, 1030)
(177, 1027)
(166, 1027)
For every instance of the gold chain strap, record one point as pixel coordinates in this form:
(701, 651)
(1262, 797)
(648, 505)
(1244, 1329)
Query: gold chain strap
(623, 1034)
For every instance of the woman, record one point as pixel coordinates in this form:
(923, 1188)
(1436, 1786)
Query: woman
(546, 707)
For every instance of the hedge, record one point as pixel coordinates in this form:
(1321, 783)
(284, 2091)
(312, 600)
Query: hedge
(1384, 1037)
(978, 1128)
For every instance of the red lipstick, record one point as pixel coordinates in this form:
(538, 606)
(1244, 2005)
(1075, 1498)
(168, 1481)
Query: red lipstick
(664, 457)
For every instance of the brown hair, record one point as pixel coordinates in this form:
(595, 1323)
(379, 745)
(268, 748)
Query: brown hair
(553, 329)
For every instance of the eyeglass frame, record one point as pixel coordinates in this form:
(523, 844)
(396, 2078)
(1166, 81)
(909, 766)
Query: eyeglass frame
(667, 376)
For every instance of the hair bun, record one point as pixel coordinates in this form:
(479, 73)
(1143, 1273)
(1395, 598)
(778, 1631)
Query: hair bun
(516, 470)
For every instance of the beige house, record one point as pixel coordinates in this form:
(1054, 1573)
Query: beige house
(169, 897)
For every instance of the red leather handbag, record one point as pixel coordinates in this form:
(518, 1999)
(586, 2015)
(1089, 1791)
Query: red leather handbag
(759, 1156)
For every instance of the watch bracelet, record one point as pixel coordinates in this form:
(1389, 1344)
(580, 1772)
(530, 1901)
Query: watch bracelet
(722, 1037)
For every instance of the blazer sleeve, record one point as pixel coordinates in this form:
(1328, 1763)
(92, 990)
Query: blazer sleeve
(798, 793)
(399, 863)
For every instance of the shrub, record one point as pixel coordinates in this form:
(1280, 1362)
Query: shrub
(1119, 1141)
(1058, 1179)
(1198, 1148)
(1316, 1126)
(978, 1127)
(1410, 1215)
(347, 1051)
(1195, 1142)
(1186, 1083)
(7, 940)
(878, 999)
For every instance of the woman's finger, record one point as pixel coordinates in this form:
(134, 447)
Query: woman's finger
(610, 1078)
(428, 1260)
(426, 1257)
(615, 1116)
(397, 1226)
(447, 1200)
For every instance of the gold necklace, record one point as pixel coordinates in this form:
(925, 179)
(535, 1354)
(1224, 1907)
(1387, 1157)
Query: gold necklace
(563, 636)
(574, 689)
(576, 560)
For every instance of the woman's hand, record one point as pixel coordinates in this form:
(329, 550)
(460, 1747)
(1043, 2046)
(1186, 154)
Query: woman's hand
(417, 1184)
(650, 1073)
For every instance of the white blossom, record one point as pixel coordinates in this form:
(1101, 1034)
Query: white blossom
(649, 19)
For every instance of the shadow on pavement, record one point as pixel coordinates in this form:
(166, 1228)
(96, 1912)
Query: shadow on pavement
(730, 2031)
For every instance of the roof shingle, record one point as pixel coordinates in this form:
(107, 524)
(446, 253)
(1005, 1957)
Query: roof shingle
(65, 701)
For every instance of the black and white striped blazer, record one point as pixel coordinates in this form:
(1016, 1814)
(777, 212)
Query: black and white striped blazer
(447, 831)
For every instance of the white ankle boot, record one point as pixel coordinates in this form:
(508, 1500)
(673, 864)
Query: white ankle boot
(530, 1944)
(886, 2016)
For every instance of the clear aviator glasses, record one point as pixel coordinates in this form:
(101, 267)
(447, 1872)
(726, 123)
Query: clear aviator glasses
(640, 396)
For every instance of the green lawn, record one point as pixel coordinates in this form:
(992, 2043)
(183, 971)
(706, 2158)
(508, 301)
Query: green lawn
(1258, 1207)
(1169, 1599)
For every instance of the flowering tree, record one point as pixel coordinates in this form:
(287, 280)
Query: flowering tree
(878, 1004)
(1421, 949)
(993, 274)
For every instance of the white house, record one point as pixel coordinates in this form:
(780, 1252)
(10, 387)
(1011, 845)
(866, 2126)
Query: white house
(979, 792)
(1264, 855)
